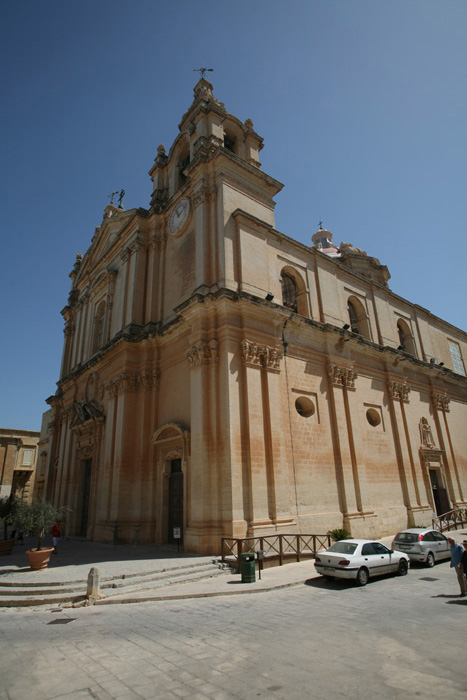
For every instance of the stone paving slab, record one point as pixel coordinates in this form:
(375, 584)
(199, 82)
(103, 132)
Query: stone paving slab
(77, 557)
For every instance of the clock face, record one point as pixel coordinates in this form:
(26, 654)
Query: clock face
(179, 215)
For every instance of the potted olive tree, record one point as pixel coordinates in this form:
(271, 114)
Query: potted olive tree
(6, 510)
(37, 517)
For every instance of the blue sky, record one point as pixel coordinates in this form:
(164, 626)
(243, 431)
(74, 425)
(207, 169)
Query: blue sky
(362, 105)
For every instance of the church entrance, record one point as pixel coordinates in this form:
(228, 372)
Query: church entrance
(440, 496)
(175, 519)
(86, 466)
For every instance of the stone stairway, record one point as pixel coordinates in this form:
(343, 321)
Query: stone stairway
(69, 593)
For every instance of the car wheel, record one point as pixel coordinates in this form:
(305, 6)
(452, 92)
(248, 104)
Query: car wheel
(403, 568)
(362, 577)
(430, 560)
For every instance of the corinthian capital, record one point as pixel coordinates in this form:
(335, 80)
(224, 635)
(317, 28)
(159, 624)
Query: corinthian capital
(399, 391)
(260, 355)
(441, 402)
(342, 376)
(202, 354)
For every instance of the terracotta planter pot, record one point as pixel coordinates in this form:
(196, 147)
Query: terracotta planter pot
(38, 559)
(6, 546)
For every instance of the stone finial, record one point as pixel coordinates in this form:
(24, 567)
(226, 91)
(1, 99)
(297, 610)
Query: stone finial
(161, 150)
(248, 124)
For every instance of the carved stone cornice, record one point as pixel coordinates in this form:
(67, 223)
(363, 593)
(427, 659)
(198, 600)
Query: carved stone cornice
(125, 382)
(69, 329)
(257, 355)
(441, 402)
(342, 376)
(399, 391)
(207, 144)
(202, 354)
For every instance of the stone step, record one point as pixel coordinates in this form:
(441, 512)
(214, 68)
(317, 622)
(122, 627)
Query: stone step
(158, 576)
(162, 583)
(15, 594)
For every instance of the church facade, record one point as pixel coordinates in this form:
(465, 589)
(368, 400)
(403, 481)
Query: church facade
(221, 378)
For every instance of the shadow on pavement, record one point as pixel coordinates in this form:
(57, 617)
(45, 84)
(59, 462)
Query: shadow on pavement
(81, 552)
(330, 584)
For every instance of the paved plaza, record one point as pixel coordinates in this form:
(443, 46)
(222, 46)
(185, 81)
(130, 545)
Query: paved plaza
(395, 638)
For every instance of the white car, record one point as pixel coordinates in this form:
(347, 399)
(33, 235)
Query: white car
(360, 559)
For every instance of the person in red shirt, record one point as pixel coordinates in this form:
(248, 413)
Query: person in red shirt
(56, 532)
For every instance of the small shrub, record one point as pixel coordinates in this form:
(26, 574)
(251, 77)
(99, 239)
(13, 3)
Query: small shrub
(339, 533)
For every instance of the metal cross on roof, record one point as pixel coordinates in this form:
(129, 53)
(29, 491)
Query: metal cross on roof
(202, 70)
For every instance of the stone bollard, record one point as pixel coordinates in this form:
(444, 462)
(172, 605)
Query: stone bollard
(92, 593)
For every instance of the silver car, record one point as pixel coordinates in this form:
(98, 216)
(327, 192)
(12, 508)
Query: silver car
(422, 545)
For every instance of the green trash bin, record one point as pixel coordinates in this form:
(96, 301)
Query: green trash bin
(247, 567)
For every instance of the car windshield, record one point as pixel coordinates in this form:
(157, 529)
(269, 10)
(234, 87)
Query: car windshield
(407, 537)
(343, 547)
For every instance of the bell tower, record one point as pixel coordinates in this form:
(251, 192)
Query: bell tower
(211, 171)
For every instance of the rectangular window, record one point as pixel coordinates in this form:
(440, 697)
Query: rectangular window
(457, 362)
(27, 457)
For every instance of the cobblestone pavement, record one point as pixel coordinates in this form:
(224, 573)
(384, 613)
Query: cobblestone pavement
(401, 638)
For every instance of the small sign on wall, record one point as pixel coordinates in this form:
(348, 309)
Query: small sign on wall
(177, 533)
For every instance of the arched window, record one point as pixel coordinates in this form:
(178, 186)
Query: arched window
(457, 361)
(353, 318)
(183, 163)
(406, 341)
(99, 326)
(229, 143)
(289, 292)
(358, 318)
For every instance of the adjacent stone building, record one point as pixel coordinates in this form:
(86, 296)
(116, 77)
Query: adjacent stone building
(18, 456)
(221, 377)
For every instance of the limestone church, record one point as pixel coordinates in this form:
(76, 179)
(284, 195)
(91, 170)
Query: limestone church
(220, 377)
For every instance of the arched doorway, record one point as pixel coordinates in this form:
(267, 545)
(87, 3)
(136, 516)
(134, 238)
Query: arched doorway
(172, 455)
(175, 502)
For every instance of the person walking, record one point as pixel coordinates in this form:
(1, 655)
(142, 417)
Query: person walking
(56, 532)
(464, 558)
(457, 552)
